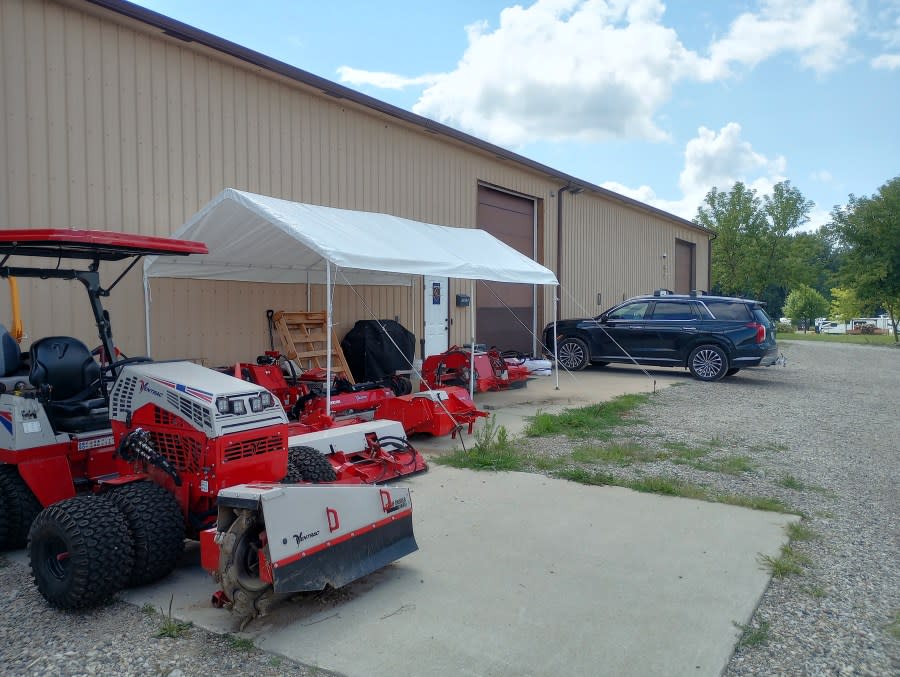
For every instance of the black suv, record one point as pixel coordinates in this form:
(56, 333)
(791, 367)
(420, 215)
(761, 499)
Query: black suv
(713, 336)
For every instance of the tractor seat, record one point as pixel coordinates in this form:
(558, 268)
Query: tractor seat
(13, 370)
(63, 368)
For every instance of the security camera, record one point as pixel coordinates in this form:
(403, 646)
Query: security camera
(664, 255)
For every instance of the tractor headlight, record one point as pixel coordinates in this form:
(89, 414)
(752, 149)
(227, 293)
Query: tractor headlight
(267, 399)
(223, 406)
(256, 404)
(237, 407)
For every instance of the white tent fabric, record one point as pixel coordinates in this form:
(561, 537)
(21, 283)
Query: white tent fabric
(256, 238)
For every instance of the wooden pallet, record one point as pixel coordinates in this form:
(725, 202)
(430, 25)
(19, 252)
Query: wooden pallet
(304, 338)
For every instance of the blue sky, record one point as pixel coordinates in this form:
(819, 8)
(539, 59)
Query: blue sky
(659, 101)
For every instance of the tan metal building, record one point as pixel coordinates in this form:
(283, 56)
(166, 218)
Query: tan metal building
(117, 118)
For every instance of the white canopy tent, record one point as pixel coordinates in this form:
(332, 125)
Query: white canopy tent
(256, 238)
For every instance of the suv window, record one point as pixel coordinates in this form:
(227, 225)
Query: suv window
(728, 310)
(630, 311)
(672, 310)
(762, 317)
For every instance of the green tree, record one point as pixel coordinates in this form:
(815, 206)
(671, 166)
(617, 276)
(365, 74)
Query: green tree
(750, 254)
(731, 215)
(845, 305)
(804, 304)
(867, 231)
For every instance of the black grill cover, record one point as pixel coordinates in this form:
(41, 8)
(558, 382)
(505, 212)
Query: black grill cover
(370, 353)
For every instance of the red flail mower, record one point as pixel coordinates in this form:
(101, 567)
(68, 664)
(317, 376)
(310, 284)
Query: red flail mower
(492, 370)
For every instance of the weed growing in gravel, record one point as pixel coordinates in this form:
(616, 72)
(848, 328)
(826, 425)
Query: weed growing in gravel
(797, 531)
(595, 420)
(170, 626)
(682, 453)
(241, 643)
(788, 563)
(751, 636)
(790, 482)
(275, 661)
(893, 628)
(729, 465)
(492, 451)
(816, 591)
(589, 477)
(754, 502)
(622, 453)
(148, 609)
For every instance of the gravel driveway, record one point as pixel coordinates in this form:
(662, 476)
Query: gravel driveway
(822, 436)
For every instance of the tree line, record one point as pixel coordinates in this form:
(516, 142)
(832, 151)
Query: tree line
(850, 267)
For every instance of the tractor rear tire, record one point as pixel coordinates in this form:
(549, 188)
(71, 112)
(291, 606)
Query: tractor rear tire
(80, 552)
(21, 507)
(156, 526)
(306, 464)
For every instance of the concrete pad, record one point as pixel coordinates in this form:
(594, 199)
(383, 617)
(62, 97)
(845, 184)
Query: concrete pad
(519, 574)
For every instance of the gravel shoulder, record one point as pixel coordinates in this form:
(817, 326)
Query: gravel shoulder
(822, 436)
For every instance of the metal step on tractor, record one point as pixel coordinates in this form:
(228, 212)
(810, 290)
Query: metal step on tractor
(107, 462)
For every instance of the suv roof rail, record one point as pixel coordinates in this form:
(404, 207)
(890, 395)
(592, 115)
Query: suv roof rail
(663, 292)
(698, 292)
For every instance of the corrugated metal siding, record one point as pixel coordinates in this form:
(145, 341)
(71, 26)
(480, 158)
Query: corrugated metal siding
(114, 126)
(617, 252)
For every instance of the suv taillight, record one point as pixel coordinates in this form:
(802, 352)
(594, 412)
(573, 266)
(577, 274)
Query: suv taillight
(760, 331)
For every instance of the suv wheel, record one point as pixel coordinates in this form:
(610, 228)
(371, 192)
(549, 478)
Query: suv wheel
(708, 363)
(572, 353)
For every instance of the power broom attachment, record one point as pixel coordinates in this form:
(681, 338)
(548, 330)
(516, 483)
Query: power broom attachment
(272, 540)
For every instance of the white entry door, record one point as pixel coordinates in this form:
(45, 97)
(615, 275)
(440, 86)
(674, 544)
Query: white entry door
(437, 323)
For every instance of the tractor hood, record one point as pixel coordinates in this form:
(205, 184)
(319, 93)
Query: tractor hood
(214, 403)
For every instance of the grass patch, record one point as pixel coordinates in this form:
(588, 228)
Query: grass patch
(754, 502)
(893, 628)
(863, 339)
(682, 453)
(170, 626)
(816, 591)
(595, 420)
(729, 465)
(788, 563)
(623, 453)
(493, 450)
(546, 462)
(148, 609)
(241, 643)
(797, 531)
(791, 482)
(751, 636)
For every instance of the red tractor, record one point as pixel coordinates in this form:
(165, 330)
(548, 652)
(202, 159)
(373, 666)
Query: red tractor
(105, 466)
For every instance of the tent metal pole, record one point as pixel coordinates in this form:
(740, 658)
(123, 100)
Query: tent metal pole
(328, 307)
(472, 346)
(147, 309)
(555, 339)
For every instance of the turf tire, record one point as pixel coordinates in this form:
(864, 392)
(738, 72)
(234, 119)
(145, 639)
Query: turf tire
(21, 507)
(156, 526)
(306, 464)
(80, 552)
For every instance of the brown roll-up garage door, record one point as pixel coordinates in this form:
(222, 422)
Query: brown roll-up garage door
(509, 218)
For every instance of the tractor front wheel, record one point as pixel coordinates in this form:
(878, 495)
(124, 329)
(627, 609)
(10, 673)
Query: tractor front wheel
(156, 526)
(20, 507)
(80, 551)
(306, 464)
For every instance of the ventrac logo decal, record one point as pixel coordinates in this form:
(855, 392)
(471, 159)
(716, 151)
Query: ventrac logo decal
(303, 537)
(147, 388)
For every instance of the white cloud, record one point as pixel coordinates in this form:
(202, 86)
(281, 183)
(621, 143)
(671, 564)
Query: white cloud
(713, 159)
(888, 62)
(383, 80)
(822, 176)
(817, 31)
(596, 69)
